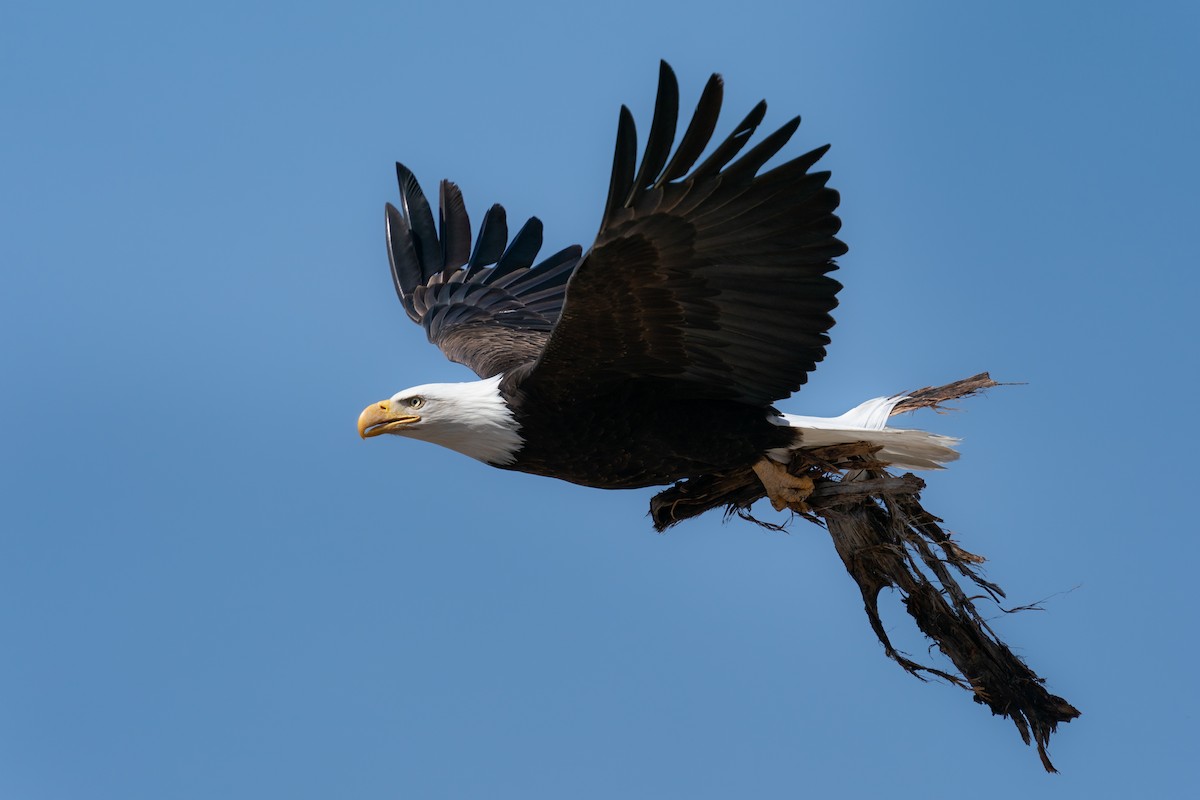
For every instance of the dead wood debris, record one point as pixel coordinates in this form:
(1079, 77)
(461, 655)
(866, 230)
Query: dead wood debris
(887, 539)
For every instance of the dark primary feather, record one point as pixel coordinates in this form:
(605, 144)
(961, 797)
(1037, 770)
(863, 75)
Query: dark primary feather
(710, 286)
(488, 307)
(698, 132)
(662, 130)
(454, 228)
(491, 241)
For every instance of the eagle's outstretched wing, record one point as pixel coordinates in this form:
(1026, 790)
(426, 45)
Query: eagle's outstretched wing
(713, 285)
(488, 306)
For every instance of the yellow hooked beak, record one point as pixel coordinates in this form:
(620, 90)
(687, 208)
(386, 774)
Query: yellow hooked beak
(383, 417)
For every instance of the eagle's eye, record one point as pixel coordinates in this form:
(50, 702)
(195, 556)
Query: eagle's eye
(416, 402)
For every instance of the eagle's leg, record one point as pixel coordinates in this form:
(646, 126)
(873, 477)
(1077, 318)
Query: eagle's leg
(784, 489)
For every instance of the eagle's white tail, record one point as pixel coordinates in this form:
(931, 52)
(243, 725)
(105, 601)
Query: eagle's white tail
(902, 448)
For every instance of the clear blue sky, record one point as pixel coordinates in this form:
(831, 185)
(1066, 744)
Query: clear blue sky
(209, 587)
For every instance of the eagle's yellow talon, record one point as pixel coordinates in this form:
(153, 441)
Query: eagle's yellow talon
(784, 489)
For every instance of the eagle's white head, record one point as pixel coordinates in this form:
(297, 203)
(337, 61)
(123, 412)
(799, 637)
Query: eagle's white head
(470, 417)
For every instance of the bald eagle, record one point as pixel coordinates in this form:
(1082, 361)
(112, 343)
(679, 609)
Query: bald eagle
(658, 354)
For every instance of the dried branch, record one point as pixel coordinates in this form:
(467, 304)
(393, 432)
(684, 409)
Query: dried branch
(885, 538)
(934, 396)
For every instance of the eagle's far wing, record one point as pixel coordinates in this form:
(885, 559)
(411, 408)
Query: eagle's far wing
(488, 306)
(714, 285)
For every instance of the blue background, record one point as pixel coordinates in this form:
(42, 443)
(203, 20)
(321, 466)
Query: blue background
(209, 587)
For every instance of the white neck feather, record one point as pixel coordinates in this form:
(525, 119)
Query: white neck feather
(469, 417)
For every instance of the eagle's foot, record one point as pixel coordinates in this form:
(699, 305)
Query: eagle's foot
(784, 489)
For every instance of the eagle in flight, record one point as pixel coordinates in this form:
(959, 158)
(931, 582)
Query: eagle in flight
(658, 354)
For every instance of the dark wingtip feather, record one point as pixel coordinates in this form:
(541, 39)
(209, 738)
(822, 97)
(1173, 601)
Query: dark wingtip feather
(662, 132)
(624, 161)
(811, 157)
(454, 226)
(420, 219)
(748, 165)
(699, 131)
(520, 252)
(402, 257)
(733, 143)
(491, 241)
